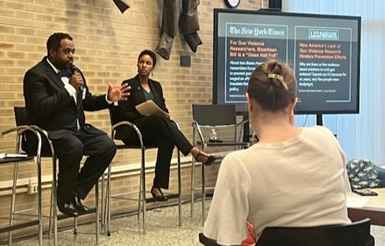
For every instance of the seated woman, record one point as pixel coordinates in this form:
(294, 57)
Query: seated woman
(157, 129)
(294, 176)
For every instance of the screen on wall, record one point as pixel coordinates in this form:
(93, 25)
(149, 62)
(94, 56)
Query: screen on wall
(323, 50)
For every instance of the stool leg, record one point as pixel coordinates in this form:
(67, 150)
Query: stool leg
(52, 212)
(140, 196)
(55, 224)
(143, 181)
(75, 225)
(179, 191)
(39, 194)
(203, 194)
(108, 205)
(104, 201)
(192, 177)
(50, 225)
(54, 181)
(97, 212)
(192, 187)
(102, 209)
(13, 199)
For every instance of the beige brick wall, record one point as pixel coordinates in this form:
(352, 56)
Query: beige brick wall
(107, 44)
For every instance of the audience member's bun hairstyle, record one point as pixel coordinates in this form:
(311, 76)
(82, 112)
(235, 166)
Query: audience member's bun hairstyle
(273, 85)
(151, 54)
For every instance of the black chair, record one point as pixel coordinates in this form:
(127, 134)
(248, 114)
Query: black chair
(14, 159)
(212, 117)
(28, 143)
(354, 234)
(142, 200)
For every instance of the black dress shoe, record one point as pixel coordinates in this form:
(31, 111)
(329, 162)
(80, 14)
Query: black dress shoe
(210, 158)
(158, 197)
(68, 209)
(79, 205)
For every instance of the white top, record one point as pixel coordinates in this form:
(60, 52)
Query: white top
(299, 182)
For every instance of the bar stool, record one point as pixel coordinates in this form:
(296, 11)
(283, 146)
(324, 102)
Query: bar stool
(47, 150)
(142, 200)
(15, 159)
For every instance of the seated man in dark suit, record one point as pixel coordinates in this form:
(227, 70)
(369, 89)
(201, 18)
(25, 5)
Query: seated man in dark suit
(56, 95)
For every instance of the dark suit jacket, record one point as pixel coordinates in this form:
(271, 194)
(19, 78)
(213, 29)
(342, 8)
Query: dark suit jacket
(127, 110)
(50, 106)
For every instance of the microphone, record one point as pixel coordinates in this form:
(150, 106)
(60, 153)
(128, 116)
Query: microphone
(73, 70)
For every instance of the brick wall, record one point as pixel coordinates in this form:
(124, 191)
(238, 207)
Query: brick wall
(107, 44)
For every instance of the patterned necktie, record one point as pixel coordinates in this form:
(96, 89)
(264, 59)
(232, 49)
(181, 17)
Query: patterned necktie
(64, 73)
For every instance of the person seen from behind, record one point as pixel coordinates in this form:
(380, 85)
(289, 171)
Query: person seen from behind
(294, 176)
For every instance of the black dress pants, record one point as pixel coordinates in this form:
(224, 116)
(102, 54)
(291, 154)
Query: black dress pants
(159, 131)
(70, 149)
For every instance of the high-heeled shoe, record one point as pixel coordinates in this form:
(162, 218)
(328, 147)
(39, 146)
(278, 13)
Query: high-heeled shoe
(158, 197)
(210, 158)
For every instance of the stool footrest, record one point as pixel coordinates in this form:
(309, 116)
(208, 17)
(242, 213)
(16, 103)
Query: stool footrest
(18, 226)
(63, 216)
(169, 196)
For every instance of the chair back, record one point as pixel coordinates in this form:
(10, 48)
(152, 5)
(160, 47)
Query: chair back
(20, 116)
(354, 234)
(124, 131)
(113, 114)
(29, 141)
(214, 115)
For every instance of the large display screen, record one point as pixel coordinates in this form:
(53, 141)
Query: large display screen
(323, 50)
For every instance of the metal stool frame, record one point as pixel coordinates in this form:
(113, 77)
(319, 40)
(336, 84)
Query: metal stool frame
(21, 119)
(20, 130)
(142, 186)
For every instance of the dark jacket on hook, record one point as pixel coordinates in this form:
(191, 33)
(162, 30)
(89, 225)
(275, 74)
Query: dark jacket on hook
(187, 20)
